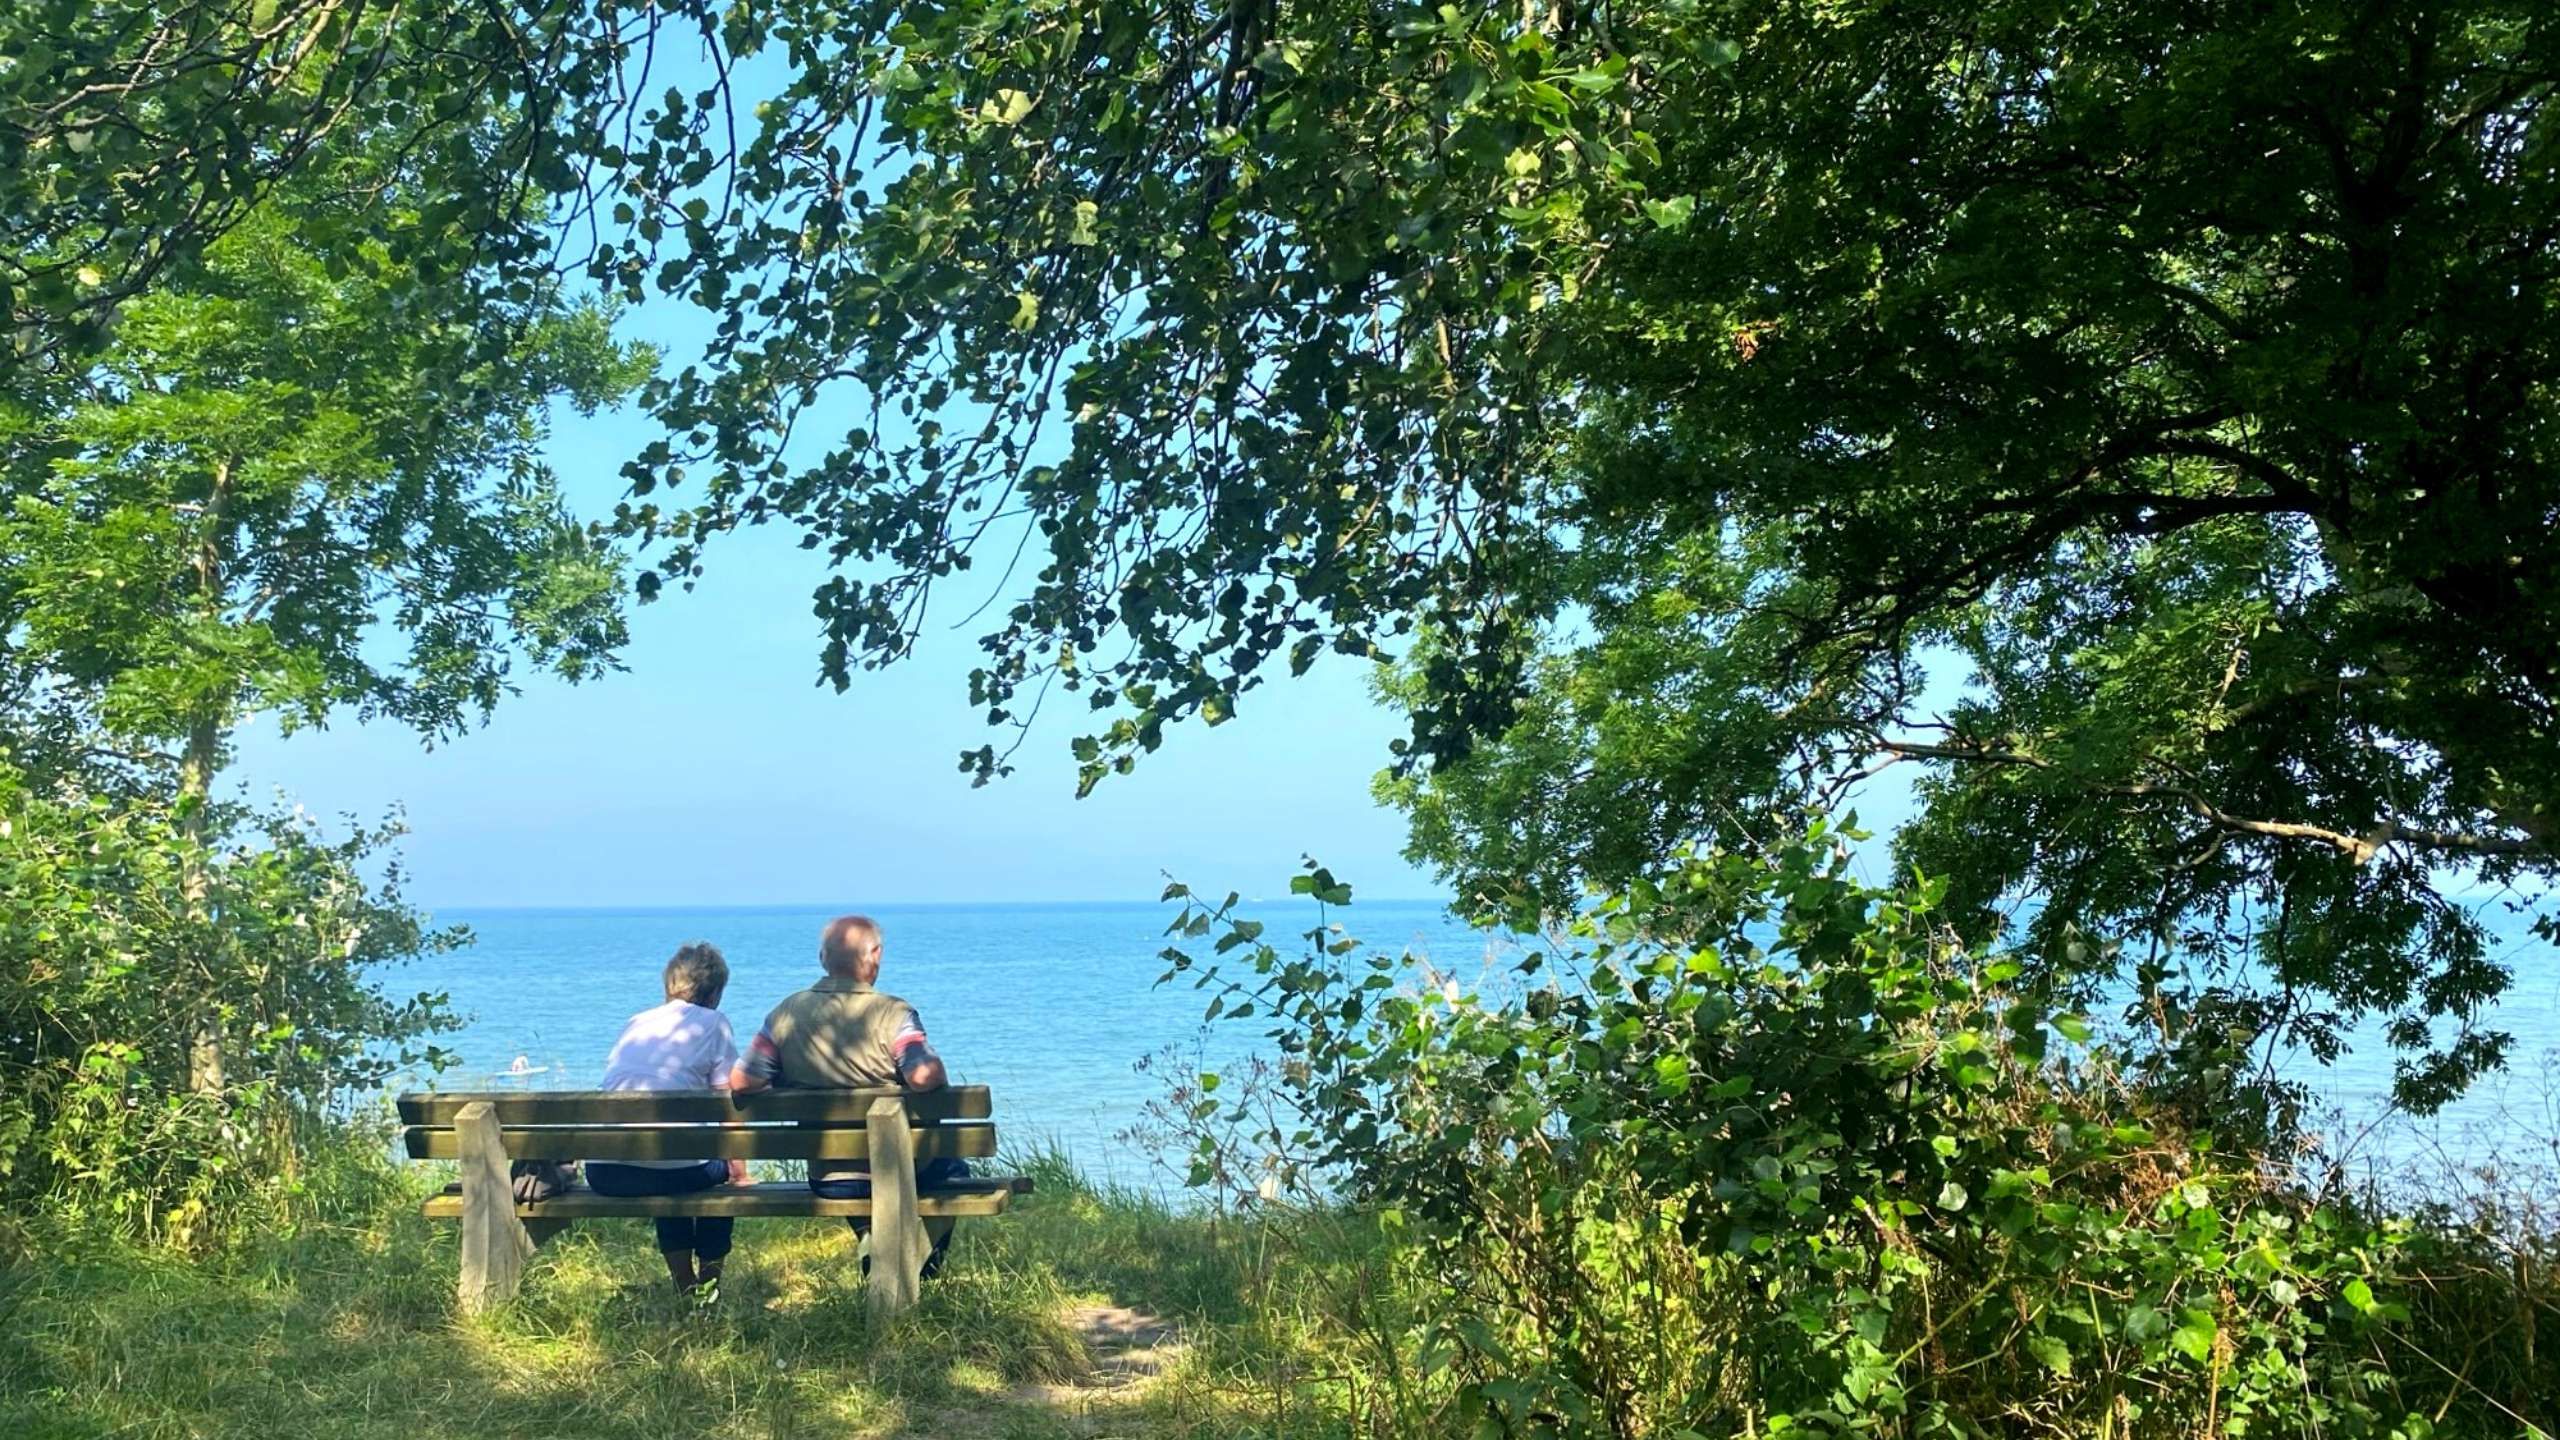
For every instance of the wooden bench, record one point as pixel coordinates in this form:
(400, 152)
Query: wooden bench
(889, 1128)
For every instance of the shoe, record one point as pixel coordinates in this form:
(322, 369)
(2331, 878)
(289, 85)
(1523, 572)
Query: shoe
(706, 1296)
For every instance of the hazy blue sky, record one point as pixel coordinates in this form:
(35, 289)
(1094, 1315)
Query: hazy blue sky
(715, 771)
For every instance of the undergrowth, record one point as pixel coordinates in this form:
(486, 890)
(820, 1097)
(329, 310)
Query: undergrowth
(1284, 1322)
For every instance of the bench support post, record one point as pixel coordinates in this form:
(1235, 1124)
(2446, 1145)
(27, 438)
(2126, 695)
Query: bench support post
(494, 1243)
(898, 1244)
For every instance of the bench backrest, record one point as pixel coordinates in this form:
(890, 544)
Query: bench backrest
(699, 1124)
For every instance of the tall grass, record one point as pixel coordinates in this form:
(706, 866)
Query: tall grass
(345, 1325)
(1285, 1323)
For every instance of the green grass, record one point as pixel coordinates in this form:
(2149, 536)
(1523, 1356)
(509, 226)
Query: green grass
(342, 1324)
(347, 1328)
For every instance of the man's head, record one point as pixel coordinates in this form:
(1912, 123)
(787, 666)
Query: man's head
(698, 973)
(850, 947)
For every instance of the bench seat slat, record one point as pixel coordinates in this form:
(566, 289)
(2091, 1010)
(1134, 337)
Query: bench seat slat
(780, 1199)
(963, 1140)
(693, 1107)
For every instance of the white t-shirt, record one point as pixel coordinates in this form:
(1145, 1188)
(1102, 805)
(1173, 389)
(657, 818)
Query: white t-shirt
(676, 1046)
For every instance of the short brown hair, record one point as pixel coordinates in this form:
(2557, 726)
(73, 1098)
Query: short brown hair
(698, 973)
(844, 941)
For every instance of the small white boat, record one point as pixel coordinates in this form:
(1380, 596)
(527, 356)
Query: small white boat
(521, 1068)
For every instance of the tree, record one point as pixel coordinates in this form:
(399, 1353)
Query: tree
(270, 460)
(289, 334)
(117, 926)
(305, 482)
(2182, 383)
(2182, 376)
(136, 133)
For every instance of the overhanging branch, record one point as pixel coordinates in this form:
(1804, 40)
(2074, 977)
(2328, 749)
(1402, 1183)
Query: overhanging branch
(2357, 848)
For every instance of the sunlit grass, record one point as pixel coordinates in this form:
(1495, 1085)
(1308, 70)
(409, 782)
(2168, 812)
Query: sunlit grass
(348, 1329)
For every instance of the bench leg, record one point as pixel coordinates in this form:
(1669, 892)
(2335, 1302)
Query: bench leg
(897, 1233)
(494, 1243)
(541, 1231)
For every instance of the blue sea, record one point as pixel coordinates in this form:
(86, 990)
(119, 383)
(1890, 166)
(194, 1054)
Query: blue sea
(1055, 1005)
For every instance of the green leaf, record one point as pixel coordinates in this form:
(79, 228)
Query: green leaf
(2194, 1335)
(2144, 1322)
(2050, 1352)
(1008, 107)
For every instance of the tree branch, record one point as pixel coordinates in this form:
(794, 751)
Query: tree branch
(2358, 848)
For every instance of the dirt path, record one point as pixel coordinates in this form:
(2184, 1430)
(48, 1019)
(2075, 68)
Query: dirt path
(1130, 1348)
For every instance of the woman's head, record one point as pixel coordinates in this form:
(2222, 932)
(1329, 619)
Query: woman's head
(698, 974)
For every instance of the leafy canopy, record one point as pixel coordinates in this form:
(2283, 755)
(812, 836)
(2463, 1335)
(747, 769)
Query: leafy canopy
(297, 444)
(2178, 388)
(2175, 382)
(295, 469)
(136, 133)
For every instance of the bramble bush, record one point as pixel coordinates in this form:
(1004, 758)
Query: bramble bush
(106, 967)
(1755, 1148)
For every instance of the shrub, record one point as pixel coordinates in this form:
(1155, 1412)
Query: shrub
(118, 937)
(1756, 1149)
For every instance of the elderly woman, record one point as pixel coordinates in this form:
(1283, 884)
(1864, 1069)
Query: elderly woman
(684, 1044)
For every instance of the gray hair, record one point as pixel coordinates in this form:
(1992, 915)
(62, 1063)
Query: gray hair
(698, 973)
(847, 941)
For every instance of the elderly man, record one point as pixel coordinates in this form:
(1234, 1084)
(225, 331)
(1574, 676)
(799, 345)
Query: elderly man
(843, 1034)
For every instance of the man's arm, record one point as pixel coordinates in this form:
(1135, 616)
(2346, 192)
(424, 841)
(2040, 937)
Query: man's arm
(759, 1067)
(919, 1068)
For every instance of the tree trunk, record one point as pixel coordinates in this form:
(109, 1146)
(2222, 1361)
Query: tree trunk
(196, 769)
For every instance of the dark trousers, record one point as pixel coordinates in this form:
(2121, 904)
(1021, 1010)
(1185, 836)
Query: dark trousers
(929, 1173)
(707, 1236)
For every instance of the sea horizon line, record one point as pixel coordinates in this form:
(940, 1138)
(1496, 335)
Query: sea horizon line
(833, 906)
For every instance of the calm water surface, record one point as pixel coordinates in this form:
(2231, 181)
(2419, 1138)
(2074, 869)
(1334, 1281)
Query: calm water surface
(1052, 1005)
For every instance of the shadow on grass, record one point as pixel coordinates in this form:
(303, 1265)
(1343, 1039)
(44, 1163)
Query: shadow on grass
(350, 1331)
